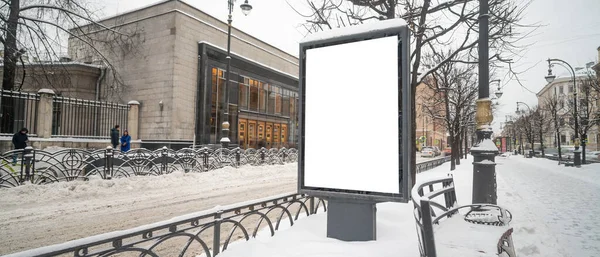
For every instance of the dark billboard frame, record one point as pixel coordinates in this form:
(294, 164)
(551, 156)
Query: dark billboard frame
(406, 146)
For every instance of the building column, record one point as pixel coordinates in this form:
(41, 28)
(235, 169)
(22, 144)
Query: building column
(133, 119)
(43, 123)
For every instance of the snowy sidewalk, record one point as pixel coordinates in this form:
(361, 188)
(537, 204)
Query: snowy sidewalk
(555, 208)
(396, 230)
(555, 214)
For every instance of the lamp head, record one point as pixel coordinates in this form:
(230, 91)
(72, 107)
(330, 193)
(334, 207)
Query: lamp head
(246, 8)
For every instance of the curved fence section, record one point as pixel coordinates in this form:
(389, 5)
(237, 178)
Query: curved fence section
(42, 167)
(205, 233)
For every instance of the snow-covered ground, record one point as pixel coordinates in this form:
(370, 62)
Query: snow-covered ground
(555, 213)
(556, 208)
(32, 216)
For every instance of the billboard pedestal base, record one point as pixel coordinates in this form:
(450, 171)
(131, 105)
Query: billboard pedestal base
(351, 220)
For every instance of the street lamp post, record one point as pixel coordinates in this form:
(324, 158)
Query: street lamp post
(484, 151)
(549, 79)
(246, 8)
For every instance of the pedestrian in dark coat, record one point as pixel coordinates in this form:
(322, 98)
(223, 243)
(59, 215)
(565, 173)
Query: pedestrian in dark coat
(114, 136)
(19, 141)
(125, 141)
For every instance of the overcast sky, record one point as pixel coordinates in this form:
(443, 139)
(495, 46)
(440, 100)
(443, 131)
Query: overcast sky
(570, 31)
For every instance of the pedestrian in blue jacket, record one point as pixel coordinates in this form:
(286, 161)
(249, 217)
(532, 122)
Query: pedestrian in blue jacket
(125, 141)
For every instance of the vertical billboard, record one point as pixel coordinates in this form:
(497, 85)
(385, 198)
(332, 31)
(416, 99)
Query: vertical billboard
(355, 119)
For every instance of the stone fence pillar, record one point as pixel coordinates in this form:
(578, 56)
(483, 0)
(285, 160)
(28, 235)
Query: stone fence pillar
(133, 119)
(43, 123)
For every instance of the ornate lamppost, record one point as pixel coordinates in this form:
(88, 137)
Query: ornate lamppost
(246, 8)
(550, 78)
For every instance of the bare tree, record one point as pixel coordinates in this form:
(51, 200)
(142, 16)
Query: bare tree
(553, 106)
(589, 113)
(528, 128)
(436, 26)
(453, 90)
(540, 122)
(39, 29)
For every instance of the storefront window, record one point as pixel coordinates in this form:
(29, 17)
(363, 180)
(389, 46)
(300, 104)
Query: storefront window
(262, 97)
(286, 103)
(253, 95)
(271, 101)
(243, 100)
(278, 101)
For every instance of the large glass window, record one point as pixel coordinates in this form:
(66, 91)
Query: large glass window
(253, 95)
(271, 101)
(263, 88)
(214, 105)
(278, 100)
(286, 103)
(243, 100)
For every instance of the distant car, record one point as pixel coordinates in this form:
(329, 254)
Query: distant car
(430, 151)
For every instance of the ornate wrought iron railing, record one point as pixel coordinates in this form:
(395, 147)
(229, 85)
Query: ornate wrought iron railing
(427, 165)
(204, 233)
(42, 167)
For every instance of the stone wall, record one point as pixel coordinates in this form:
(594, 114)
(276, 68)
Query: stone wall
(68, 79)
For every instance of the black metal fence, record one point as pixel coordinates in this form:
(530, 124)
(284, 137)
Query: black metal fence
(18, 110)
(86, 119)
(200, 234)
(42, 167)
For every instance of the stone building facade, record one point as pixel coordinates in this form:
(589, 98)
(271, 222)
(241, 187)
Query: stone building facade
(434, 130)
(563, 87)
(164, 63)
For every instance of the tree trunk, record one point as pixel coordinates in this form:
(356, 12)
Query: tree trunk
(542, 143)
(10, 47)
(557, 137)
(457, 145)
(10, 67)
(453, 154)
(464, 149)
(583, 145)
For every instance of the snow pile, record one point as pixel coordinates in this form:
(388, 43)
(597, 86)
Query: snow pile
(99, 188)
(485, 145)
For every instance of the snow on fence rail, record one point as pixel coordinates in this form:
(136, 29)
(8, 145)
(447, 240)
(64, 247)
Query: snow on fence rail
(195, 234)
(43, 167)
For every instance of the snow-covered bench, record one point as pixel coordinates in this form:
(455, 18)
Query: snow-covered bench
(443, 231)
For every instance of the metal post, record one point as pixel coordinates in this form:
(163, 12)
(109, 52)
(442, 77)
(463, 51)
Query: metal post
(575, 116)
(225, 125)
(108, 154)
(428, 239)
(484, 151)
(27, 158)
(163, 168)
(217, 233)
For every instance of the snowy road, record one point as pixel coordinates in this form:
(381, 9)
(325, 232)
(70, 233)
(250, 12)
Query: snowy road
(34, 216)
(556, 208)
